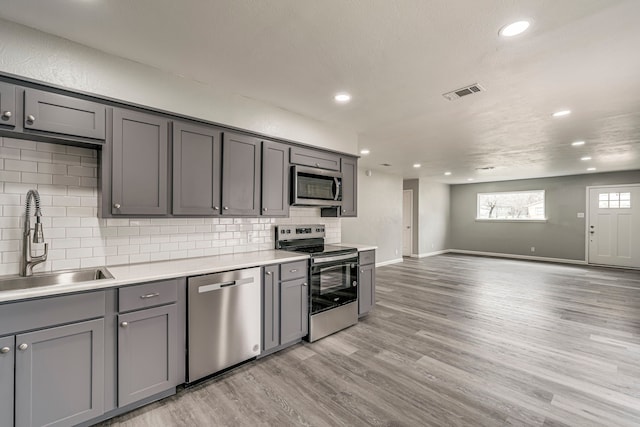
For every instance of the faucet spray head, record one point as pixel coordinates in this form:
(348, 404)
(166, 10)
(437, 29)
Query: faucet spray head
(38, 236)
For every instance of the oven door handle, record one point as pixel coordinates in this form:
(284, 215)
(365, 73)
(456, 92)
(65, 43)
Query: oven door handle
(325, 260)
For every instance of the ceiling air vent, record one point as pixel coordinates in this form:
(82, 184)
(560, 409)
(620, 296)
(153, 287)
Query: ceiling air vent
(385, 164)
(464, 91)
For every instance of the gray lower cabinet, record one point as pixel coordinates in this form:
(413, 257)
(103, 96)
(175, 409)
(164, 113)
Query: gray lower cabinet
(294, 310)
(147, 353)
(366, 282)
(59, 375)
(52, 112)
(271, 307)
(196, 170)
(139, 169)
(240, 175)
(7, 358)
(7, 105)
(275, 179)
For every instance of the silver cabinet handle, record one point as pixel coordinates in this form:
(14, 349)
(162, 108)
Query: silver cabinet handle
(226, 208)
(155, 294)
(5, 350)
(304, 284)
(293, 270)
(124, 324)
(317, 165)
(23, 346)
(7, 115)
(216, 208)
(31, 118)
(116, 205)
(344, 210)
(268, 273)
(265, 209)
(361, 271)
(355, 284)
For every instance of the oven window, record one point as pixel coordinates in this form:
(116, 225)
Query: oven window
(315, 187)
(334, 278)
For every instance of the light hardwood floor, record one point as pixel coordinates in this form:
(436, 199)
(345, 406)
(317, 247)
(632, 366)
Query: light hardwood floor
(454, 341)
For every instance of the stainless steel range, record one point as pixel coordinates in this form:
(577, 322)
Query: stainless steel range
(334, 278)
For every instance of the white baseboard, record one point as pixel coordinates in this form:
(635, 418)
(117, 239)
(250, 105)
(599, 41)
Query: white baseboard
(391, 261)
(428, 254)
(513, 256)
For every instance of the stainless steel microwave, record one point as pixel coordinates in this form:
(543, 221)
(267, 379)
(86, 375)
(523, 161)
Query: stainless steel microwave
(315, 187)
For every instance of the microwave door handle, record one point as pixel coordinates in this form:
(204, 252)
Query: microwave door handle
(336, 183)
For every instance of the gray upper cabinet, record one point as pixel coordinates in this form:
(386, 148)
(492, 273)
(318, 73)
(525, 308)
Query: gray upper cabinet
(314, 158)
(7, 357)
(59, 375)
(140, 172)
(7, 105)
(271, 307)
(275, 179)
(240, 175)
(147, 353)
(196, 170)
(294, 310)
(349, 168)
(52, 112)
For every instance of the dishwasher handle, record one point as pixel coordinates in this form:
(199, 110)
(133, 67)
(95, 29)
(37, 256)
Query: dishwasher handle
(217, 286)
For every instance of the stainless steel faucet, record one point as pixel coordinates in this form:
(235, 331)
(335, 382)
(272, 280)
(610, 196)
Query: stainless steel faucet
(29, 260)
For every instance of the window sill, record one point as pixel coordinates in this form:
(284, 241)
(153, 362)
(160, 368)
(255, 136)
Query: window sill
(510, 220)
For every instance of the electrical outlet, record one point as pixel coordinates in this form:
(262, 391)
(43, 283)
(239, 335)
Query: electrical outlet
(533, 248)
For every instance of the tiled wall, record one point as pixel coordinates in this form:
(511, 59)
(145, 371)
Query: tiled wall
(66, 178)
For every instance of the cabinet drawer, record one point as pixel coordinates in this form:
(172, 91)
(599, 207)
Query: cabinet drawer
(367, 257)
(314, 158)
(293, 270)
(52, 112)
(147, 295)
(46, 312)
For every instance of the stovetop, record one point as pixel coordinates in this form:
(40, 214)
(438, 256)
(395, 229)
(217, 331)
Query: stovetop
(308, 239)
(321, 250)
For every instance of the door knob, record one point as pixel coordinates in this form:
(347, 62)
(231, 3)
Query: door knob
(7, 115)
(23, 346)
(5, 350)
(216, 208)
(124, 324)
(592, 232)
(116, 205)
(31, 118)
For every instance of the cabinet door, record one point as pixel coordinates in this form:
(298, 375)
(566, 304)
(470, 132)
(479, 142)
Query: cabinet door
(294, 310)
(7, 355)
(240, 175)
(275, 179)
(271, 307)
(7, 105)
(196, 170)
(52, 112)
(349, 168)
(314, 158)
(147, 353)
(139, 170)
(366, 288)
(60, 375)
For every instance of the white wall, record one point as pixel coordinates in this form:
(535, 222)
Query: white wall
(66, 178)
(379, 220)
(434, 208)
(37, 55)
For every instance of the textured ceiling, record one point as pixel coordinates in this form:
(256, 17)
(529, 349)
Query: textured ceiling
(397, 58)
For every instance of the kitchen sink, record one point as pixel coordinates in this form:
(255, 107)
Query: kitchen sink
(14, 283)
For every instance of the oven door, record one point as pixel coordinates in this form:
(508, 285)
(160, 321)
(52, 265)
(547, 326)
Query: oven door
(334, 281)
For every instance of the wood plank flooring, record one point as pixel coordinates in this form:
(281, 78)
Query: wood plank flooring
(455, 340)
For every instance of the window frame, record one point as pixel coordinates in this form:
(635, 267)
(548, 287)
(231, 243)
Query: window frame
(544, 198)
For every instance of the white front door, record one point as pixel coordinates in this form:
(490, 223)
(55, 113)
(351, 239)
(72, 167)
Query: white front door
(614, 226)
(407, 220)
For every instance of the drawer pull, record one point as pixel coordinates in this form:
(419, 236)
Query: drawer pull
(147, 296)
(293, 270)
(7, 115)
(124, 324)
(268, 273)
(23, 346)
(5, 350)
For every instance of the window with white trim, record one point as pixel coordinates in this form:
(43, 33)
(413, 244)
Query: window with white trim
(614, 200)
(511, 205)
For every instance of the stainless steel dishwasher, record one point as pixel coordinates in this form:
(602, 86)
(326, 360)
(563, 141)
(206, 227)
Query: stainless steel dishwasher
(224, 320)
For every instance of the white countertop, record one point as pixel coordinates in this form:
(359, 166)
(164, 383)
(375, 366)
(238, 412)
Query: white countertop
(147, 272)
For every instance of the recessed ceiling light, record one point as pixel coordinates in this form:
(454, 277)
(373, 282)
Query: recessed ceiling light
(447, 173)
(591, 169)
(469, 179)
(416, 165)
(514, 29)
(342, 97)
(585, 158)
(561, 113)
(364, 151)
(577, 143)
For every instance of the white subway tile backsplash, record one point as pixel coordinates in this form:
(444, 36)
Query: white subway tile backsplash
(66, 180)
